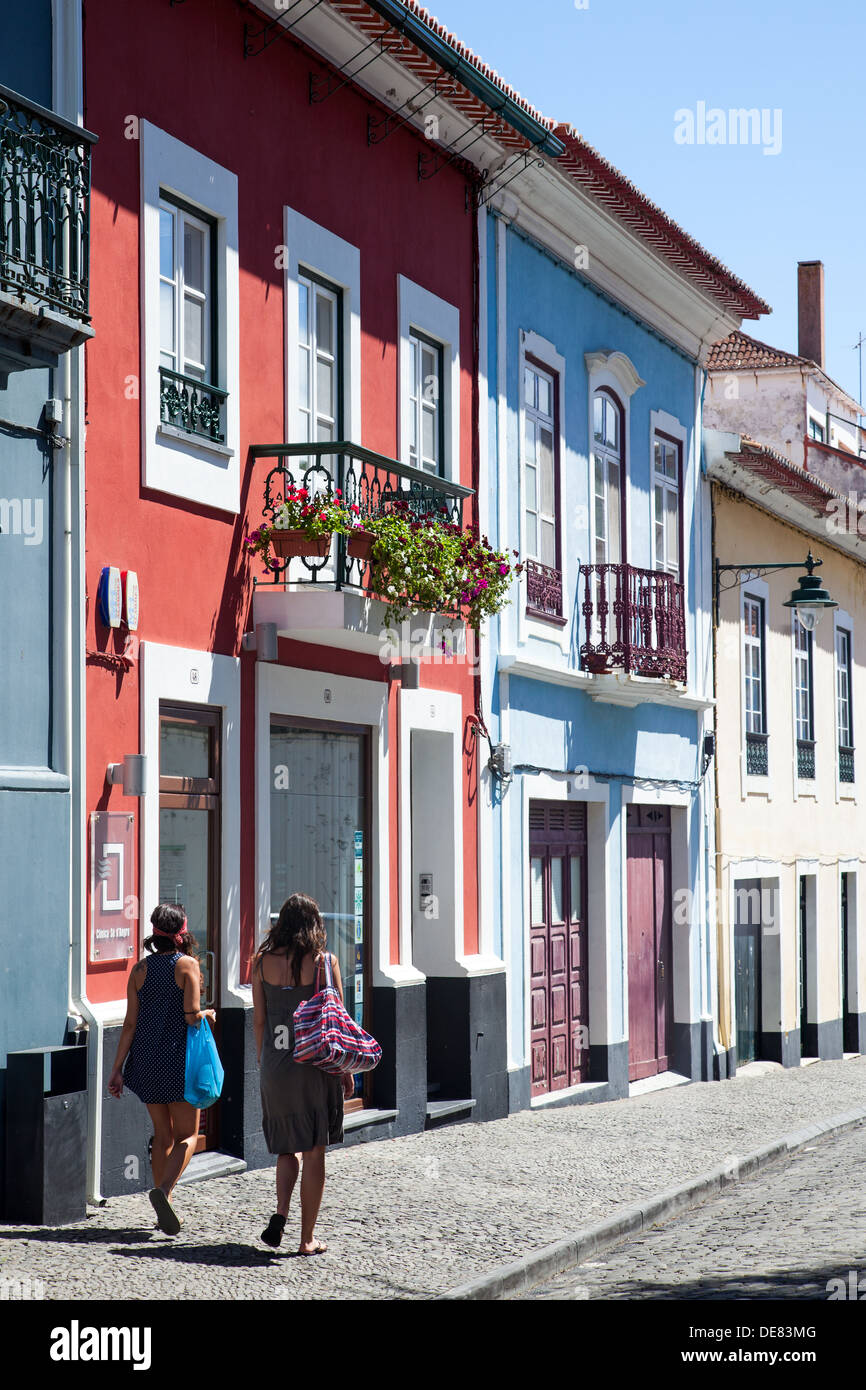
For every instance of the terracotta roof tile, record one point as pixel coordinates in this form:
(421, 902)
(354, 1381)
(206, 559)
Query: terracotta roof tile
(739, 352)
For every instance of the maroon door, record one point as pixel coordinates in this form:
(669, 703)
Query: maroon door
(650, 975)
(559, 1038)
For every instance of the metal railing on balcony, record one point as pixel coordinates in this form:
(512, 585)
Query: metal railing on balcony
(191, 405)
(634, 620)
(372, 482)
(44, 207)
(757, 758)
(846, 764)
(806, 759)
(543, 591)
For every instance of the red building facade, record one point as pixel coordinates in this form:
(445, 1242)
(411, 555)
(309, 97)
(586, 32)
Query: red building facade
(268, 269)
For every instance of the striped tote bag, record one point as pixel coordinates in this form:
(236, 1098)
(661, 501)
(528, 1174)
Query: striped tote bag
(326, 1036)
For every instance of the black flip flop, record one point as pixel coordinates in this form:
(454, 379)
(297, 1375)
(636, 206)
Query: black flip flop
(166, 1216)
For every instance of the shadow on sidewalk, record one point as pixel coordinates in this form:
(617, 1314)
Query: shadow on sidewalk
(80, 1235)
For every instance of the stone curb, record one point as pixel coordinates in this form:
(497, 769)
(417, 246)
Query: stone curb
(554, 1259)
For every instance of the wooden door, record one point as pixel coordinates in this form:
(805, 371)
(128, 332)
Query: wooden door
(747, 968)
(559, 1016)
(804, 957)
(650, 974)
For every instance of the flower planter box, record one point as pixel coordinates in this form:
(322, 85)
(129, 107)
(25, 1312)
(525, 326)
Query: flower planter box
(289, 543)
(360, 544)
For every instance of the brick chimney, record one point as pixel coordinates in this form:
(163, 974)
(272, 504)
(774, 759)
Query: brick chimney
(810, 310)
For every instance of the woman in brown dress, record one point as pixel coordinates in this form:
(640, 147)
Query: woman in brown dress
(302, 1106)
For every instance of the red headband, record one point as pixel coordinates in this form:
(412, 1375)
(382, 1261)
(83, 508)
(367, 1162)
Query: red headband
(176, 936)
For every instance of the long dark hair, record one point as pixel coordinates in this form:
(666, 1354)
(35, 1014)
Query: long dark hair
(299, 931)
(169, 917)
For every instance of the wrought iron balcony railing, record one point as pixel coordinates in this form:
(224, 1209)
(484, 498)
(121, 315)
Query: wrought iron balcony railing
(634, 620)
(846, 764)
(544, 591)
(806, 758)
(757, 760)
(372, 482)
(192, 405)
(44, 207)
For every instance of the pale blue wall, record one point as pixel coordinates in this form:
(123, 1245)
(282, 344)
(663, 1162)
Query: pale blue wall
(554, 727)
(34, 824)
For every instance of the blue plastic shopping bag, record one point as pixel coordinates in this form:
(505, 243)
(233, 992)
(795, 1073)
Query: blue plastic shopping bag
(204, 1070)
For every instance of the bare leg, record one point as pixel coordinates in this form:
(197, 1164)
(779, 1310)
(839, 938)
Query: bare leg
(184, 1120)
(163, 1138)
(287, 1175)
(312, 1187)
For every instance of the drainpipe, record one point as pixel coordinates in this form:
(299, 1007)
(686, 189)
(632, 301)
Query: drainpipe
(722, 971)
(68, 59)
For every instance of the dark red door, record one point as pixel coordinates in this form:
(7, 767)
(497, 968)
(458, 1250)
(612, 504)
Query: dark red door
(650, 976)
(559, 1039)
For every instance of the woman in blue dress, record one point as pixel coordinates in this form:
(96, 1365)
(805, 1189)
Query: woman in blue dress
(163, 996)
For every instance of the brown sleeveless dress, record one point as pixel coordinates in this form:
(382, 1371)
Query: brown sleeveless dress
(302, 1107)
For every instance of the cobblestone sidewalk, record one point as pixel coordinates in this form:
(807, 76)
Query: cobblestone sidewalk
(415, 1217)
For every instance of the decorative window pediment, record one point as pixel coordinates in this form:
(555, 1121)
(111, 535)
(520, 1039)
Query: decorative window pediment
(619, 365)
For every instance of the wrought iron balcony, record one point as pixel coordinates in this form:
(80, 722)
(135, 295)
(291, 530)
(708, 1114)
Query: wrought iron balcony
(757, 760)
(371, 482)
(544, 591)
(44, 233)
(191, 405)
(634, 620)
(846, 764)
(806, 759)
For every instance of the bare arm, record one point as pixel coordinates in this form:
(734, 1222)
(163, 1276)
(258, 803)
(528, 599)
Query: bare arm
(189, 971)
(133, 985)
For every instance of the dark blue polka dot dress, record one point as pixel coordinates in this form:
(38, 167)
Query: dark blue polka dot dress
(155, 1069)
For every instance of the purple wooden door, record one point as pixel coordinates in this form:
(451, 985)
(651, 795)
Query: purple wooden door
(559, 1032)
(650, 1010)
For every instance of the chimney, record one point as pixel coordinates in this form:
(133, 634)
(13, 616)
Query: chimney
(810, 307)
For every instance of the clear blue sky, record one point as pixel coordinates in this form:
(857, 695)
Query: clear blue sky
(619, 70)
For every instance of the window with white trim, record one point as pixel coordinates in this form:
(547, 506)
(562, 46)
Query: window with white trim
(187, 303)
(666, 504)
(539, 405)
(320, 367)
(803, 701)
(426, 416)
(755, 701)
(189, 323)
(608, 477)
(844, 709)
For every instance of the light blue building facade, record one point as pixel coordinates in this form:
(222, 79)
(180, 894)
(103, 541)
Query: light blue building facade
(44, 202)
(597, 847)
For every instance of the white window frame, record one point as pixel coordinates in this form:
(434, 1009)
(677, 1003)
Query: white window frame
(616, 371)
(845, 791)
(762, 786)
(419, 396)
(534, 345)
(803, 786)
(421, 311)
(173, 461)
(311, 247)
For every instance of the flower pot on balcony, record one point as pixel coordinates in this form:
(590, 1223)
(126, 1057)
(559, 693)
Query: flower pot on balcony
(596, 663)
(360, 544)
(288, 543)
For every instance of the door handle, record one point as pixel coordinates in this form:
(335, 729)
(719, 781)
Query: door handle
(661, 966)
(208, 1003)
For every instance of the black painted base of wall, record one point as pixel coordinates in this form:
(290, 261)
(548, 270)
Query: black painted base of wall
(780, 1047)
(399, 1024)
(724, 1065)
(830, 1040)
(854, 1033)
(239, 1130)
(466, 1044)
(126, 1131)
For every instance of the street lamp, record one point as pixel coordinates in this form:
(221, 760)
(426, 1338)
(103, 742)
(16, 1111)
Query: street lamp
(808, 601)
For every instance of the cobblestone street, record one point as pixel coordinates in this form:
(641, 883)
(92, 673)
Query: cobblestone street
(415, 1217)
(784, 1233)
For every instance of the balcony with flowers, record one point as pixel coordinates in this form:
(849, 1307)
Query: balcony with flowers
(366, 553)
